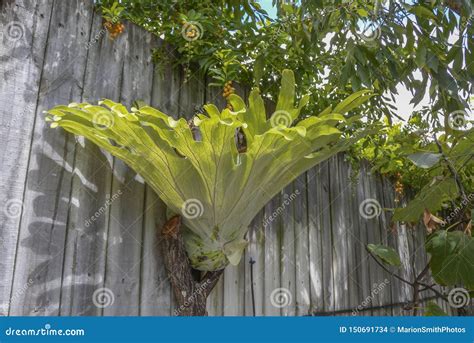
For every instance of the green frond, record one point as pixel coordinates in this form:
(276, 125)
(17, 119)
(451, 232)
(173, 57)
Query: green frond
(217, 189)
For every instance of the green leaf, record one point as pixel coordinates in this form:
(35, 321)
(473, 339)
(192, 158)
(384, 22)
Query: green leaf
(386, 254)
(217, 188)
(424, 159)
(353, 101)
(452, 256)
(258, 68)
(362, 12)
(423, 12)
(420, 57)
(431, 197)
(432, 309)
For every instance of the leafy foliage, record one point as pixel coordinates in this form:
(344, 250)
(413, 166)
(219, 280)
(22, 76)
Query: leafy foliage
(386, 254)
(432, 309)
(335, 47)
(201, 165)
(427, 199)
(452, 258)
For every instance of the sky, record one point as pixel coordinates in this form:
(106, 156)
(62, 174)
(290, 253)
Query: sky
(267, 6)
(402, 103)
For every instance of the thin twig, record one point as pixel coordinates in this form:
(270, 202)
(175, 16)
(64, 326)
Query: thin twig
(252, 262)
(451, 168)
(388, 270)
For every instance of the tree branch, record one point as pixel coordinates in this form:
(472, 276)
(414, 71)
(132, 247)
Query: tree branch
(451, 168)
(388, 270)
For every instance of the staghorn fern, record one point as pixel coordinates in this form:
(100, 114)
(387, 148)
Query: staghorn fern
(216, 188)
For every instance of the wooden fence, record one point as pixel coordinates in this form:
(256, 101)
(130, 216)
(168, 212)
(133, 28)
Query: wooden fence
(58, 256)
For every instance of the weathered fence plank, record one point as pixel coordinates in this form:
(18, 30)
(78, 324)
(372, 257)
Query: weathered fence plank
(300, 205)
(43, 226)
(272, 232)
(21, 55)
(339, 188)
(84, 263)
(126, 215)
(288, 256)
(314, 240)
(255, 253)
(326, 238)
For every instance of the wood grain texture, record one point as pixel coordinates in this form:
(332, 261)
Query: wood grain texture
(21, 65)
(308, 243)
(125, 245)
(42, 233)
(285, 298)
(272, 237)
(315, 229)
(302, 272)
(85, 253)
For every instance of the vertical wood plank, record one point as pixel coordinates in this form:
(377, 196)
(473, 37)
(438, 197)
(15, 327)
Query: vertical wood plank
(373, 236)
(272, 229)
(365, 275)
(315, 240)
(383, 285)
(256, 253)
(300, 200)
(388, 203)
(234, 291)
(124, 250)
(47, 199)
(286, 298)
(356, 239)
(339, 188)
(155, 290)
(21, 63)
(326, 244)
(84, 262)
(156, 293)
(352, 234)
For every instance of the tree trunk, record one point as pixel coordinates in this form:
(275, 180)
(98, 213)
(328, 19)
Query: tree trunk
(190, 292)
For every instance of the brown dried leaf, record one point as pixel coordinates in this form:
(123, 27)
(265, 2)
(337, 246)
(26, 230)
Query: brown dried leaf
(431, 221)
